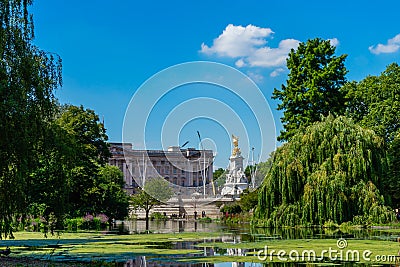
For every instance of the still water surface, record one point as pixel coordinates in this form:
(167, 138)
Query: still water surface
(238, 234)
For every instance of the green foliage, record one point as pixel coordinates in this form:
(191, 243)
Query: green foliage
(392, 184)
(218, 172)
(86, 139)
(28, 78)
(36, 223)
(237, 218)
(248, 170)
(88, 133)
(113, 200)
(260, 170)
(72, 177)
(73, 224)
(157, 216)
(48, 180)
(49, 158)
(374, 103)
(331, 171)
(313, 87)
(88, 222)
(159, 189)
(204, 220)
(248, 200)
(331, 225)
(233, 208)
(36, 210)
(219, 176)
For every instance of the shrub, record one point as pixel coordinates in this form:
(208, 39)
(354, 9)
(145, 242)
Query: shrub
(231, 209)
(73, 224)
(205, 220)
(157, 216)
(88, 222)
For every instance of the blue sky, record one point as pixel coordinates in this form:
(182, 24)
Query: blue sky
(110, 48)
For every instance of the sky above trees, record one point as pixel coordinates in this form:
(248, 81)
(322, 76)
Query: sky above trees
(110, 48)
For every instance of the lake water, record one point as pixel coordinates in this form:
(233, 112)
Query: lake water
(140, 249)
(243, 233)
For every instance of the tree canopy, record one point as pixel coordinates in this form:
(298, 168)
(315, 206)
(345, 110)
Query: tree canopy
(248, 199)
(374, 102)
(88, 142)
(28, 78)
(111, 199)
(313, 87)
(49, 180)
(330, 171)
(72, 177)
(155, 192)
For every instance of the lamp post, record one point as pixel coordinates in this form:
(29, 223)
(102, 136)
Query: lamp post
(204, 166)
(253, 178)
(204, 173)
(195, 195)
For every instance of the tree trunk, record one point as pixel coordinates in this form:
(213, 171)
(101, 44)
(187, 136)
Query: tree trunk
(147, 220)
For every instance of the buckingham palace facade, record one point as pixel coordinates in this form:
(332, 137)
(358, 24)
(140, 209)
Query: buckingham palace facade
(189, 167)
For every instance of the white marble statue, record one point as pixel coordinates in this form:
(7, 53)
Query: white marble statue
(236, 180)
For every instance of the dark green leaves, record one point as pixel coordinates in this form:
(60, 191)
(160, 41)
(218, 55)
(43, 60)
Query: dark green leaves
(87, 141)
(375, 102)
(312, 88)
(156, 191)
(28, 78)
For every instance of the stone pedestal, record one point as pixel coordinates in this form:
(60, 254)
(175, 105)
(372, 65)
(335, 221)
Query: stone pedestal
(236, 180)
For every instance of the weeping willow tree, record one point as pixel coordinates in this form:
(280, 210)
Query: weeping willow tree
(330, 172)
(28, 78)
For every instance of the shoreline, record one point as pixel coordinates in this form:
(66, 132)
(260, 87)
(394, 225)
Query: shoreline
(26, 261)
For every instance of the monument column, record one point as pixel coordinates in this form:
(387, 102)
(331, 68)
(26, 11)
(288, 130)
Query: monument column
(236, 180)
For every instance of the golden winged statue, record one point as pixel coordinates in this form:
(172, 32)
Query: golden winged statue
(236, 149)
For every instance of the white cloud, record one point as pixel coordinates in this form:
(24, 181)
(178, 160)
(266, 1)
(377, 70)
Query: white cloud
(334, 42)
(249, 46)
(240, 63)
(257, 78)
(237, 41)
(277, 72)
(392, 46)
(272, 57)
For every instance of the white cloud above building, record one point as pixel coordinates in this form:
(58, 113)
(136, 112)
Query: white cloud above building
(392, 46)
(277, 72)
(249, 45)
(334, 42)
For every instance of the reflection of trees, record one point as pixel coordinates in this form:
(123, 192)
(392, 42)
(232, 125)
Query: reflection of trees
(142, 261)
(258, 234)
(283, 233)
(287, 264)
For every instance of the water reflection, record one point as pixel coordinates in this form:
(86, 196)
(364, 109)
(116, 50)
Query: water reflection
(133, 227)
(258, 234)
(144, 262)
(239, 234)
(148, 262)
(248, 233)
